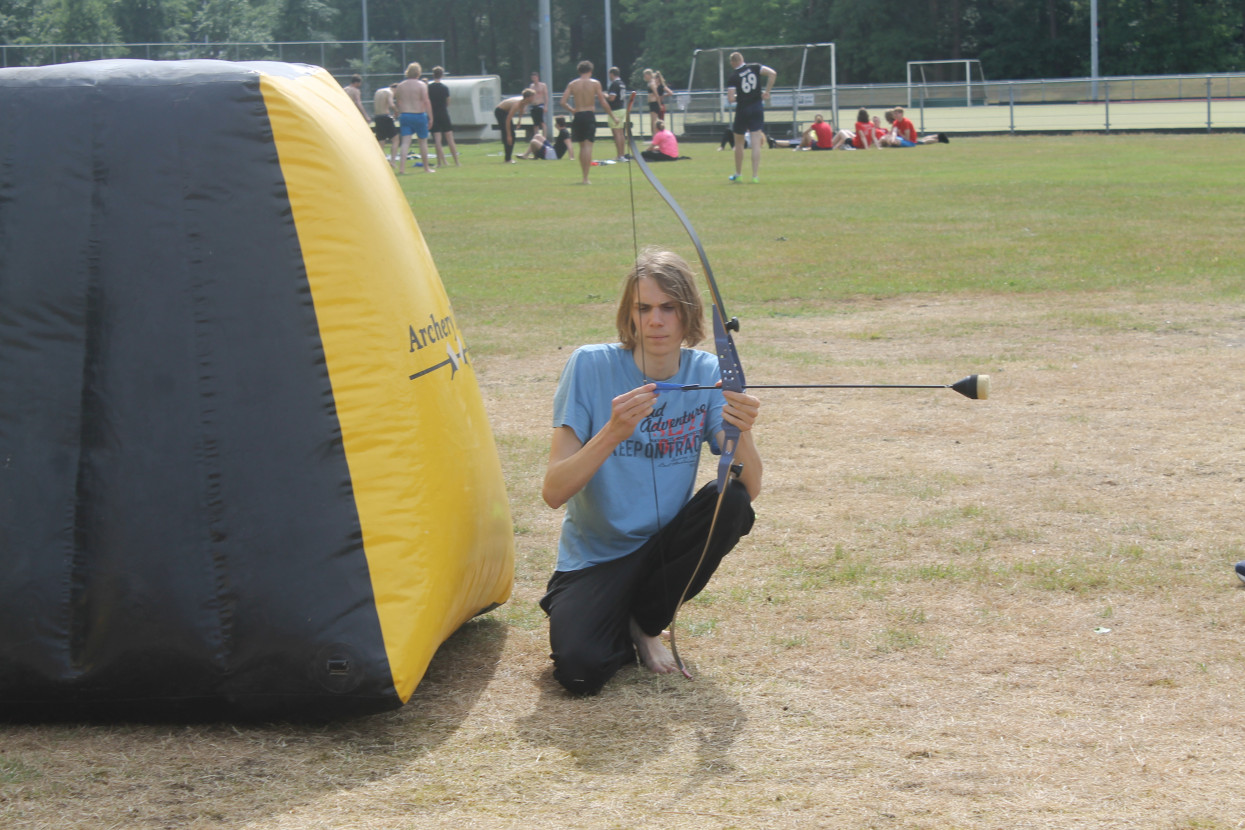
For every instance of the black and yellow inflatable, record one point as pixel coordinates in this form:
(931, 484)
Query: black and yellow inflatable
(244, 462)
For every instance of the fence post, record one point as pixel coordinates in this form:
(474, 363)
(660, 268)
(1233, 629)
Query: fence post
(1106, 100)
(1208, 121)
(1011, 107)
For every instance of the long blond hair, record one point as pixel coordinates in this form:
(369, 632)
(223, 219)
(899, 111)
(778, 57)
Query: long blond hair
(676, 280)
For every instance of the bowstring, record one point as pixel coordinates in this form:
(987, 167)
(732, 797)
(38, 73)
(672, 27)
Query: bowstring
(635, 261)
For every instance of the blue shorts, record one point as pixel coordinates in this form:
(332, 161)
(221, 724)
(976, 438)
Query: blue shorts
(749, 118)
(415, 123)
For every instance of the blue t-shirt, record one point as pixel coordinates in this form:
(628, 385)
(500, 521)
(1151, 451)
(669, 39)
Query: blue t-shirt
(616, 512)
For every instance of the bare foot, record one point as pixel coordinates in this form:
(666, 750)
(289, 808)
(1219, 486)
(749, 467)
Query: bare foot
(653, 652)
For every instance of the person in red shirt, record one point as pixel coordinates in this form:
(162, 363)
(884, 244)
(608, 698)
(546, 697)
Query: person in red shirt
(866, 134)
(903, 131)
(819, 135)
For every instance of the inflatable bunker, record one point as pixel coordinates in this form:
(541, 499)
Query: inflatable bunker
(245, 468)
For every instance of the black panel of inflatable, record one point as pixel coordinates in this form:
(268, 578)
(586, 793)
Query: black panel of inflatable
(177, 535)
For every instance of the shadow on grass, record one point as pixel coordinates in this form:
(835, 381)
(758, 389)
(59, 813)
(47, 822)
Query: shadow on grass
(227, 774)
(636, 720)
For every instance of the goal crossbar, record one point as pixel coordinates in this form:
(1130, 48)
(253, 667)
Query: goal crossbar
(967, 82)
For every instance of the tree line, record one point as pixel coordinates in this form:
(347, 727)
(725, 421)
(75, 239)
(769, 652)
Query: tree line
(1014, 39)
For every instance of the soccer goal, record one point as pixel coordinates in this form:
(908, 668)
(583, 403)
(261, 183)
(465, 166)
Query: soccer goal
(806, 82)
(950, 83)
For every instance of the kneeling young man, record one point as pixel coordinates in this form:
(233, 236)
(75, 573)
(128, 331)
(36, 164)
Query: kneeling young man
(623, 460)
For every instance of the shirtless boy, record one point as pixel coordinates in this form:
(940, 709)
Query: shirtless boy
(383, 123)
(414, 118)
(355, 95)
(539, 101)
(581, 97)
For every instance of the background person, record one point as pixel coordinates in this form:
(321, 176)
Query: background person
(581, 98)
(411, 98)
(616, 94)
(743, 88)
(902, 127)
(542, 149)
(384, 125)
(664, 147)
(657, 93)
(540, 99)
(506, 112)
(819, 135)
(442, 127)
(865, 136)
(354, 93)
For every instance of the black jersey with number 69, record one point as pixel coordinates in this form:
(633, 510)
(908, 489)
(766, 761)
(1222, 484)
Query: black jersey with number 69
(747, 83)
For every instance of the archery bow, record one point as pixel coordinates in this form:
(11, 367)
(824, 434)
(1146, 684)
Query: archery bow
(728, 364)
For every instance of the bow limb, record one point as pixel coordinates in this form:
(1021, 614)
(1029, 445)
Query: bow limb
(638, 159)
(729, 367)
(724, 344)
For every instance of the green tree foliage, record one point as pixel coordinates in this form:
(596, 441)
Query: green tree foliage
(73, 21)
(151, 21)
(232, 21)
(1013, 38)
(1022, 39)
(304, 20)
(874, 39)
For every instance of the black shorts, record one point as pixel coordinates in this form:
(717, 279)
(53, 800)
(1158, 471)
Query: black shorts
(441, 123)
(584, 126)
(384, 127)
(750, 118)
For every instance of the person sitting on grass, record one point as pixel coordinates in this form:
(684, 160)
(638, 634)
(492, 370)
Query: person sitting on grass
(867, 134)
(903, 131)
(664, 147)
(541, 149)
(820, 135)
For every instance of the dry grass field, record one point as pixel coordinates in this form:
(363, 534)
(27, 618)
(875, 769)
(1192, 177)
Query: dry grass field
(1012, 613)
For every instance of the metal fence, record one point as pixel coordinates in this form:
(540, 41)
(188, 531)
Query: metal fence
(1175, 103)
(1150, 102)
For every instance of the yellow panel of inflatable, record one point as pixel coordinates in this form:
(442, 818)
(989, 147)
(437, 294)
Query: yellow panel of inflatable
(427, 482)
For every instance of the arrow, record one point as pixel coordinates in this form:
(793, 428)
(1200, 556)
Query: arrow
(976, 387)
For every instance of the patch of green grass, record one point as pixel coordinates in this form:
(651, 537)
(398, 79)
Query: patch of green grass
(14, 771)
(839, 570)
(1127, 567)
(699, 627)
(896, 639)
(791, 641)
(526, 616)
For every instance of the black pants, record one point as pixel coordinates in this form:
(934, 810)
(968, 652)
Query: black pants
(507, 138)
(590, 610)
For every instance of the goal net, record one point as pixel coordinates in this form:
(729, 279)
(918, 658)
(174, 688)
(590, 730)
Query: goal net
(947, 83)
(806, 83)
